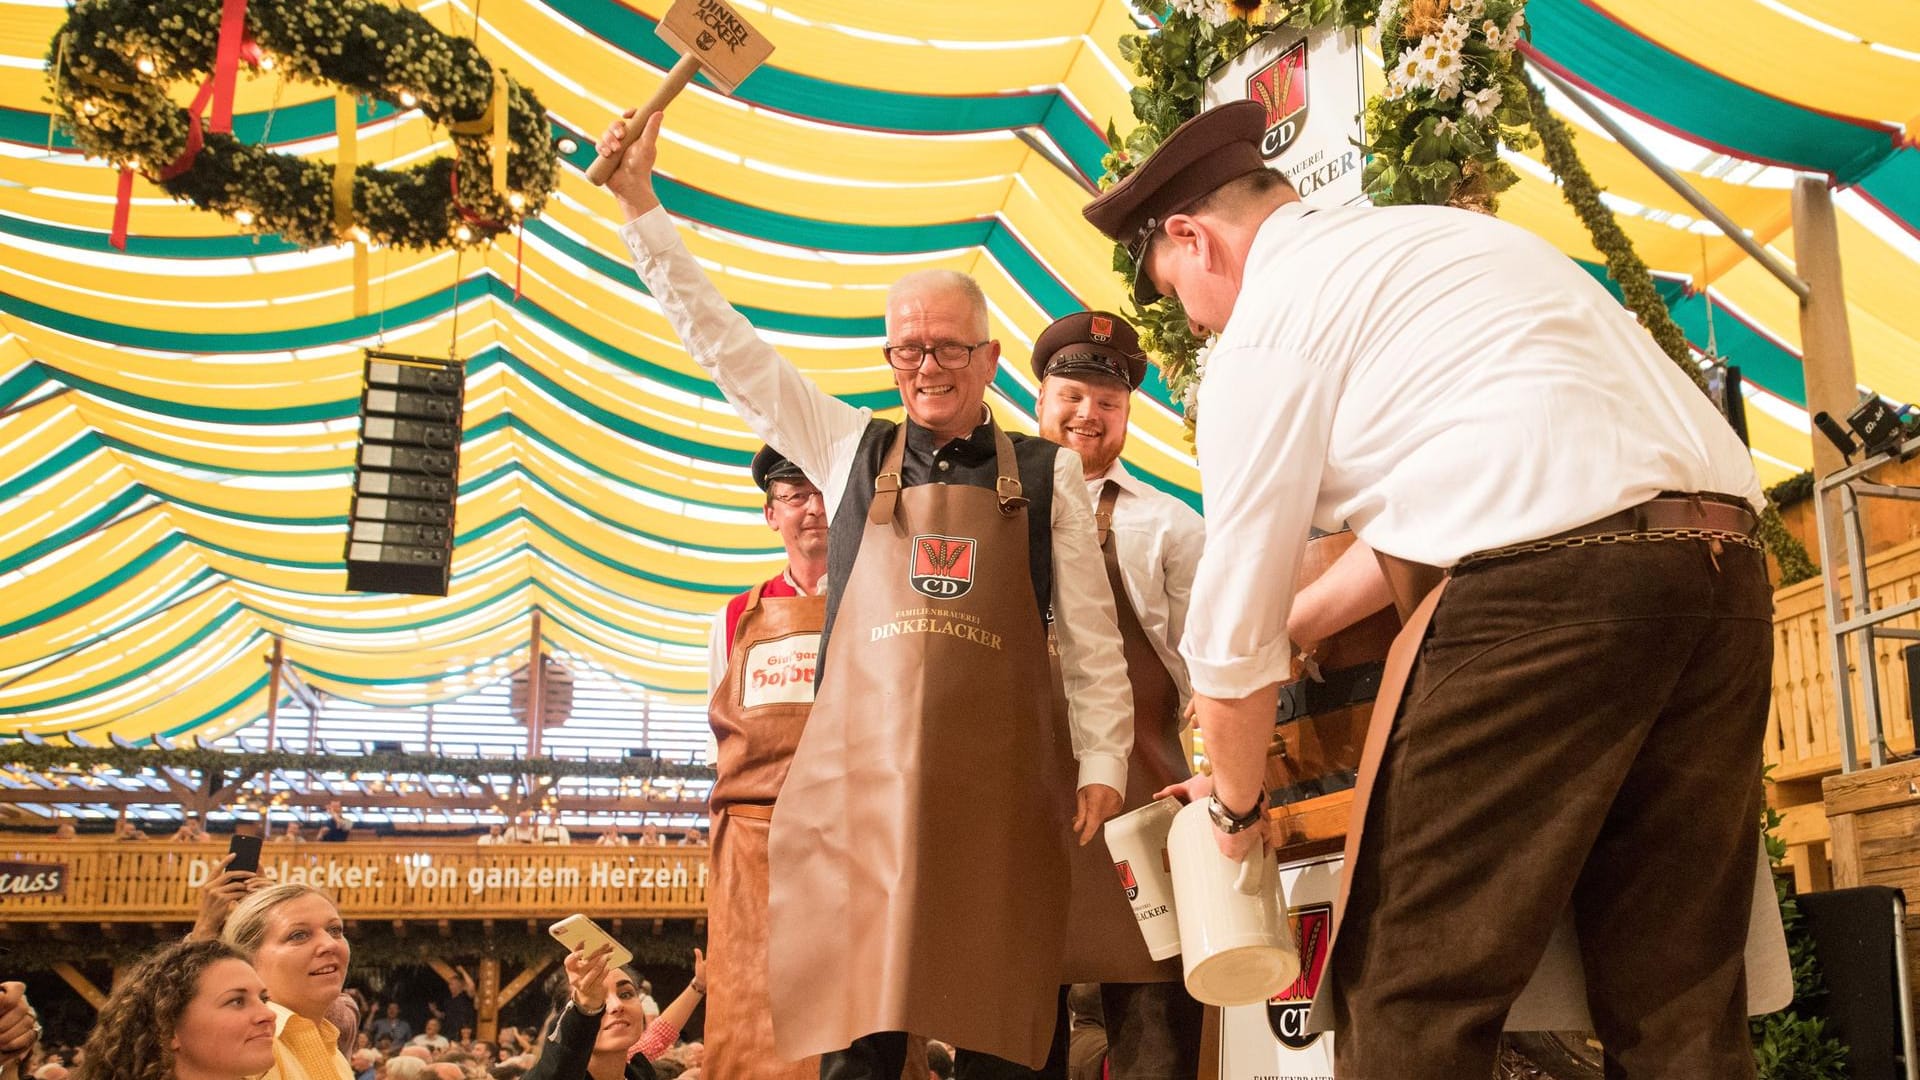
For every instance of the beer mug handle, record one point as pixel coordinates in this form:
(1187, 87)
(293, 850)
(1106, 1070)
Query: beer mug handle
(1254, 871)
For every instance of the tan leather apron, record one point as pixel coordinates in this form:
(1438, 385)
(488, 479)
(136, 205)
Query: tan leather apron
(757, 714)
(1103, 942)
(918, 858)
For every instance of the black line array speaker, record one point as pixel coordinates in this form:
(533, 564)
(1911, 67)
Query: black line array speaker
(400, 528)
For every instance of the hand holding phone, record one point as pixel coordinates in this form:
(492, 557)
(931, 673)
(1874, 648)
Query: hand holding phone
(577, 932)
(245, 852)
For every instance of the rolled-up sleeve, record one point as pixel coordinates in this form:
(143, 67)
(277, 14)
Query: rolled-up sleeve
(815, 430)
(1092, 665)
(1263, 428)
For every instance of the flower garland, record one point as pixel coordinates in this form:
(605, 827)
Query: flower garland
(1455, 93)
(111, 62)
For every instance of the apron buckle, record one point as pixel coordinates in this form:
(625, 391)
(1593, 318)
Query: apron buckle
(1008, 489)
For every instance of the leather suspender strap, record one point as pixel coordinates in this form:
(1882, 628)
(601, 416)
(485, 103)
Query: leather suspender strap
(1103, 512)
(1007, 484)
(753, 598)
(886, 486)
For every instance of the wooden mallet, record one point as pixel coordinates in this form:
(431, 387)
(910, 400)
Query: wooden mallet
(709, 35)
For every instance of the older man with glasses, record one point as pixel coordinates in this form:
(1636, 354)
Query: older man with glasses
(918, 857)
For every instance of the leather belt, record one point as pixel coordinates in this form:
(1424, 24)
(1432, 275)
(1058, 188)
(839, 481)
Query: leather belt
(756, 811)
(1670, 511)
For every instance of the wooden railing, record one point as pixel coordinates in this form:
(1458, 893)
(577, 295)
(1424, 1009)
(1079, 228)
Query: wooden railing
(159, 881)
(1803, 739)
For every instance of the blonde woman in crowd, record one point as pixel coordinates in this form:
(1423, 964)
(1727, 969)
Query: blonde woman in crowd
(296, 940)
(192, 1011)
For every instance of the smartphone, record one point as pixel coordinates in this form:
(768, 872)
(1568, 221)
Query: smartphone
(245, 850)
(580, 932)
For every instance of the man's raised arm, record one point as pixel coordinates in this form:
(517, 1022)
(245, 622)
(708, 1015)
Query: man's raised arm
(814, 429)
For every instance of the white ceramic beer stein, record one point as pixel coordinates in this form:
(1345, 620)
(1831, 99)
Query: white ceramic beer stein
(1237, 946)
(1137, 841)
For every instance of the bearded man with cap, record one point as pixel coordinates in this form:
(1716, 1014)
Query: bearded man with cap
(1088, 365)
(1585, 685)
(762, 653)
(898, 904)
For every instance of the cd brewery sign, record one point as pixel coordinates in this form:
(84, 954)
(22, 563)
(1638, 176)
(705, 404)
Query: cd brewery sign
(1310, 85)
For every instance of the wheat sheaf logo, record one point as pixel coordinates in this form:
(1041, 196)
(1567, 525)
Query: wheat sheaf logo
(1287, 1011)
(1281, 86)
(942, 566)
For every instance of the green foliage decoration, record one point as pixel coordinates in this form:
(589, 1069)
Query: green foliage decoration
(131, 762)
(1433, 135)
(112, 62)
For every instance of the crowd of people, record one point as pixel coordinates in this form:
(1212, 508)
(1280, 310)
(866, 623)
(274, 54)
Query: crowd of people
(258, 990)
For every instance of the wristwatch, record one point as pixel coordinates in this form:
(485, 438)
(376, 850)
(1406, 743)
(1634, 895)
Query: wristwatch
(1228, 822)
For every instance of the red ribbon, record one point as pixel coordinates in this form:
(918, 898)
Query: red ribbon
(226, 62)
(184, 162)
(122, 207)
(469, 216)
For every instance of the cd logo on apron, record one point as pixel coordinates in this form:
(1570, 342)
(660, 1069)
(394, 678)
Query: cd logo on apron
(1126, 879)
(1287, 1011)
(942, 566)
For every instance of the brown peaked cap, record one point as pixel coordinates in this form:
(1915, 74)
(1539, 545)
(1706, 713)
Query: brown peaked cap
(1208, 151)
(1090, 344)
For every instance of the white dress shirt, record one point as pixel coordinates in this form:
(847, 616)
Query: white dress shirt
(821, 434)
(1157, 541)
(1441, 381)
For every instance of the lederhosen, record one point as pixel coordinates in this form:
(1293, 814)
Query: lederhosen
(1156, 1034)
(757, 713)
(918, 868)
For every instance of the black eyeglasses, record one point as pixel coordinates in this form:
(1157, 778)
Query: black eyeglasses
(948, 354)
(798, 499)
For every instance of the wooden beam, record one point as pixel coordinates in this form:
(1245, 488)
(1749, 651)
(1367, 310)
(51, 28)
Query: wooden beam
(369, 801)
(1826, 345)
(528, 975)
(486, 1000)
(275, 660)
(441, 967)
(536, 690)
(82, 985)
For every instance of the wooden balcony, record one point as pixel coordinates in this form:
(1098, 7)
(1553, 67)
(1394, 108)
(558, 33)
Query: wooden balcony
(1803, 741)
(156, 881)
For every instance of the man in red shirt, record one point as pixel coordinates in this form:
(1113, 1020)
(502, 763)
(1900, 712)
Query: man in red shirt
(765, 647)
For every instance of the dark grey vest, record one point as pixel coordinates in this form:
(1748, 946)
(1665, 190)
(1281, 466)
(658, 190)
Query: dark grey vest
(962, 461)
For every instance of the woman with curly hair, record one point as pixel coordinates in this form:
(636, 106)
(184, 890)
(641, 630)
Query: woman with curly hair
(294, 937)
(192, 1011)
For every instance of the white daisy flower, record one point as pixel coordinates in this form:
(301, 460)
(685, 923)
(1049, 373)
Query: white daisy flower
(1481, 103)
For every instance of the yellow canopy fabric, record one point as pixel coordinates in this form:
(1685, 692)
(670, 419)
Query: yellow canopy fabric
(177, 422)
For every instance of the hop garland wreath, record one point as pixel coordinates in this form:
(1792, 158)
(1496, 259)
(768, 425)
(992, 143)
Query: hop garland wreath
(112, 61)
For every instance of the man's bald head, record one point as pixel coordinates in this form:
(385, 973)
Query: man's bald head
(952, 284)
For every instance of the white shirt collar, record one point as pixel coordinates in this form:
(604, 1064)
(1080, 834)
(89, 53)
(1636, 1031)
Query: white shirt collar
(1117, 472)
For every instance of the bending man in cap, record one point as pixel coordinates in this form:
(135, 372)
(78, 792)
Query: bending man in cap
(918, 860)
(1582, 725)
(1088, 365)
(762, 654)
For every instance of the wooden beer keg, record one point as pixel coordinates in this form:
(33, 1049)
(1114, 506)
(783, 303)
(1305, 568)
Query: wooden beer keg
(1321, 724)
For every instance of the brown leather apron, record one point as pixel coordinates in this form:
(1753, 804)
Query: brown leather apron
(918, 859)
(1393, 684)
(757, 713)
(1103, 941)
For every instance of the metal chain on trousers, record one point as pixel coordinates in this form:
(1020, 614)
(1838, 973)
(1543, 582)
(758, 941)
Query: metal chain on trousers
(1724, 536)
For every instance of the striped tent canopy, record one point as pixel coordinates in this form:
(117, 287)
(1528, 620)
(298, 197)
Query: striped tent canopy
(178, 420)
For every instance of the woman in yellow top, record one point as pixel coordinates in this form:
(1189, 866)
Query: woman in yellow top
(295, 939)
